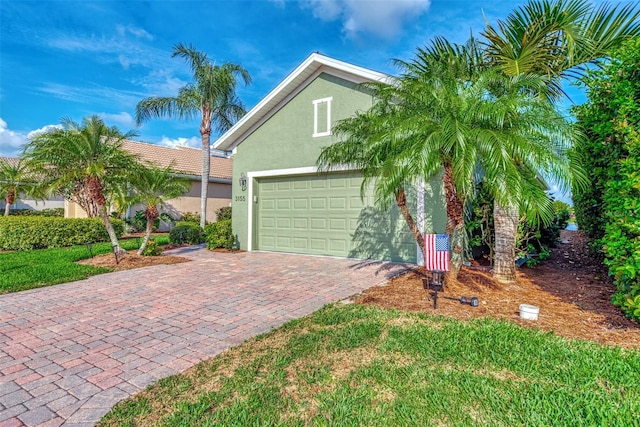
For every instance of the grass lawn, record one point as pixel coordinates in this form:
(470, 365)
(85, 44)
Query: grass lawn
(349, 365)
(23, 270)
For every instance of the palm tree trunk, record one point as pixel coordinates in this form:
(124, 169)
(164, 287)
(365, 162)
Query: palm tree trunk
(147, 236)
(110, 231)
(455, 222)
(401, 201)
(206, 159)
(9, 199)
(506, 228)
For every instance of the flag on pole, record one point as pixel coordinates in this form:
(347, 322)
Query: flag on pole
(436, 247)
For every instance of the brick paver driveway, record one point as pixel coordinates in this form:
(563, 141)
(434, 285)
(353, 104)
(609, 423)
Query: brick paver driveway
(69, 352)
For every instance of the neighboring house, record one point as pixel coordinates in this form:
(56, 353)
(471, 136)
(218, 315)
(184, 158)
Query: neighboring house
(280, 200)
(186, 162)
(23, 202)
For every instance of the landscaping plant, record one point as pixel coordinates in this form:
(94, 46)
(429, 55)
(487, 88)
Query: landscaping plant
(186, 232)
(211, 97)
(219, 234)
(609, 209)
(85, 163)
(24, 233)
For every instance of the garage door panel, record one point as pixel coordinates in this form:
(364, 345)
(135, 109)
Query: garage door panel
(339, 224)
(318, 224)
(337, 203)
(268, 222)
(318, 203)
(301, 204)
(301, 223)
(321, 214)
(318, 244)
(300, 244)
(283, 223)
(268, 204)
(338, 245)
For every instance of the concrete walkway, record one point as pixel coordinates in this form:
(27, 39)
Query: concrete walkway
(69, 352)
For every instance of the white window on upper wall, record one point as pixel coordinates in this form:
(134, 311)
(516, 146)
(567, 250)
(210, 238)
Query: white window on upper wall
(322, 117)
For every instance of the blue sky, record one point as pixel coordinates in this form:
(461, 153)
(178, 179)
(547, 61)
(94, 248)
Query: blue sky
(73, 59)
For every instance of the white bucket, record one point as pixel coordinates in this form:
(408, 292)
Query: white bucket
(529, 312)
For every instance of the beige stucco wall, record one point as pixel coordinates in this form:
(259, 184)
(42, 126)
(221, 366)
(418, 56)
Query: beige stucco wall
(219, 195)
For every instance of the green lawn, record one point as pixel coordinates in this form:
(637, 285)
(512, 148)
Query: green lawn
(359, 365)
(23, 270)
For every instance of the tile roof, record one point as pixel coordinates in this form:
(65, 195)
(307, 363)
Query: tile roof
(186, 160)
(11, 160)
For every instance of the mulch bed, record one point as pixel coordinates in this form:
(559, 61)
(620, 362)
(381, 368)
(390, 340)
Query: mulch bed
(571, 289)
(131, 260)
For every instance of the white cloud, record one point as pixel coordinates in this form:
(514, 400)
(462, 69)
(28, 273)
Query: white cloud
(123, 119)
(193, 142)
(43, 129)
(382, 18)
(11, 142)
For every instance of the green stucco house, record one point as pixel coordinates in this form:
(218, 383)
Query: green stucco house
(280, 200)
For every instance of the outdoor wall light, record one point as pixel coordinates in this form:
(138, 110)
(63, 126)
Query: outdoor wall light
(243, 181)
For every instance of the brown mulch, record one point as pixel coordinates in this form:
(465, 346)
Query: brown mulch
(571, 289)
(131, 260)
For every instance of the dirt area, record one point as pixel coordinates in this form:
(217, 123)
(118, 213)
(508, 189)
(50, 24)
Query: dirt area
(571, 289)
(131, 260)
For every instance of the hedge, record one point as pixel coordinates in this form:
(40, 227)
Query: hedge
(35, 232)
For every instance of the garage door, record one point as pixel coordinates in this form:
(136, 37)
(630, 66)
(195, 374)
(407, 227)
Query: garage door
(325, 215)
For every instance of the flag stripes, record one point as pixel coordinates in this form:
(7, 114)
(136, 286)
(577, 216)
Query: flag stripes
(436, 255)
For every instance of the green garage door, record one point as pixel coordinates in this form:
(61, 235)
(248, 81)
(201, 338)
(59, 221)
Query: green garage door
(325, 215)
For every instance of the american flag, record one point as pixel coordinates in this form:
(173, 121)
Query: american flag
(436, 255)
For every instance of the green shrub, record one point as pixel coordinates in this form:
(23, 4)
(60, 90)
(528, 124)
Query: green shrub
(223, 213)
(33, 212)
(608, 210)
(190, 217)
(152, 249)
(186, 232)
(219, 235)
(37, 232)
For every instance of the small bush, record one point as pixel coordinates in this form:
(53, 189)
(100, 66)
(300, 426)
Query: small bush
(219, 235)
(152, 249)
(190, 217)
(33, 212)
(138, 222)
(37, 232)
(223, 213)
(186, 232)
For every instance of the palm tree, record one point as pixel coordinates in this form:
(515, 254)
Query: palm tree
(446, 113)
(85, 163)
(15, 179)
(152, 187)
(556, 39)
(212, 96)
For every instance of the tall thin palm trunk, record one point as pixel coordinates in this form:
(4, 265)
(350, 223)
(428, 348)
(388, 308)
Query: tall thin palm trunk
(455, 222)
(205, 132)
(505, 220)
